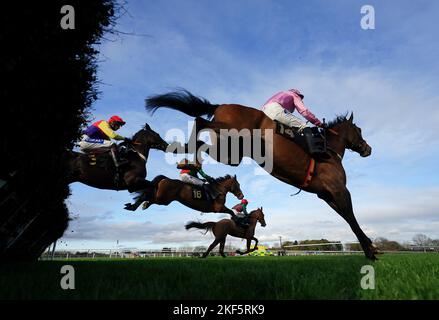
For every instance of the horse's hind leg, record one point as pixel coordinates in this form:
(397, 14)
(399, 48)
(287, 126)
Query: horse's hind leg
(213, 245)
(143, 187)
(222, 244)
(212, 150)
(341, 202)
(145, 196)
(135, 205)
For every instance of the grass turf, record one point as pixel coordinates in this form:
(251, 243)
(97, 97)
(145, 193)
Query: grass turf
(398, 276)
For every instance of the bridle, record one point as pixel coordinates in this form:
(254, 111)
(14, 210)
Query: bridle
(134, 143)
(234, 188)
(352, 146)
(258, 216)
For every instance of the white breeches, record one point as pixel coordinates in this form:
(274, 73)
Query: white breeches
(239, 214)
(275, 111)
(87, 144)
(185, 177)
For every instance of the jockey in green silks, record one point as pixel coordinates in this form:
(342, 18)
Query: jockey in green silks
(191, 175)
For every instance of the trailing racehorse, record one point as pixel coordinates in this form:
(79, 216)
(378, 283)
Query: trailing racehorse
(226, 227)
(291, 164)
(99, 171)
(168, 190)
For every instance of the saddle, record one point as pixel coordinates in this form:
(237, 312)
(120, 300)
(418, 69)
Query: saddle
(241, 222)
(103, 158)
(205, 192)
(311, 140)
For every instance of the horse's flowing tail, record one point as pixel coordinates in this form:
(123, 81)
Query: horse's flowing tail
(206, 226)
(183, 101)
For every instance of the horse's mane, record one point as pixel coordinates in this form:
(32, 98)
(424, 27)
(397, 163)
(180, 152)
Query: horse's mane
(339, 119)
(145, 127)
(226, 177)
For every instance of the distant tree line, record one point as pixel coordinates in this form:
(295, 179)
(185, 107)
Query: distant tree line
(303, 245)
(419, 242)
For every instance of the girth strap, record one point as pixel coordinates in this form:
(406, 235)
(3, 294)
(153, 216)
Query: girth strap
(309, 173)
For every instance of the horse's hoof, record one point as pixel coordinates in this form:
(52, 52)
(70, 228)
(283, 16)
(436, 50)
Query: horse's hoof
(371, 256)
(145, 205)
(375, 249)
(129, 206)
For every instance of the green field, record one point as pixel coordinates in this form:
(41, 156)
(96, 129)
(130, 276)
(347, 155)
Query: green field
(398, 276)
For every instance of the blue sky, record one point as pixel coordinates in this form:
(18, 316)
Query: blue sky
(244, 52)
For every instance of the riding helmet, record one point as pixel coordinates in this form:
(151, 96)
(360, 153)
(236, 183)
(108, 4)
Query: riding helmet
(116, 119)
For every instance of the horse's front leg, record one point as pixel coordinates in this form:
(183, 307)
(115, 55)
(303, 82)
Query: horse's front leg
(256, 244)
(341, 202)
(249, 241)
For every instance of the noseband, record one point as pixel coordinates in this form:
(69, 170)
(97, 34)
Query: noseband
(352, 146)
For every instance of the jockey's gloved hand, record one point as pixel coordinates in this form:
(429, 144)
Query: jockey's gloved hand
(323, 125)
(127, 140)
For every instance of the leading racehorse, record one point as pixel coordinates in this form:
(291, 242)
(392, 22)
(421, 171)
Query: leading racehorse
(291, 164)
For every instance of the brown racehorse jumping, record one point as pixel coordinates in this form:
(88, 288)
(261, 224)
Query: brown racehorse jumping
(132, 176)
(168, 190)
(290, 162)
(226, 227)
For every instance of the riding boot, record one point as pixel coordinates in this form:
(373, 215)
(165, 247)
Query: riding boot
(315, 151)
(209, 192)
(117, 162)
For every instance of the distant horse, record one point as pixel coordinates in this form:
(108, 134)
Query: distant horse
(131, 177)
(291, 164)
(168, 190)
(226, 227)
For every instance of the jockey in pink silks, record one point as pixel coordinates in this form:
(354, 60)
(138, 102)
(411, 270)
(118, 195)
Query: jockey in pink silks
(281, 106)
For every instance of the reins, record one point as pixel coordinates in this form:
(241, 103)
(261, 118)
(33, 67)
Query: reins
(139, 153)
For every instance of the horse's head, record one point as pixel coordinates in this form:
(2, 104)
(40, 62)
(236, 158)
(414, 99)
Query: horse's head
(150, 138)
(231, 184)
(258, 214)
(235, 188)
(351, 134)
